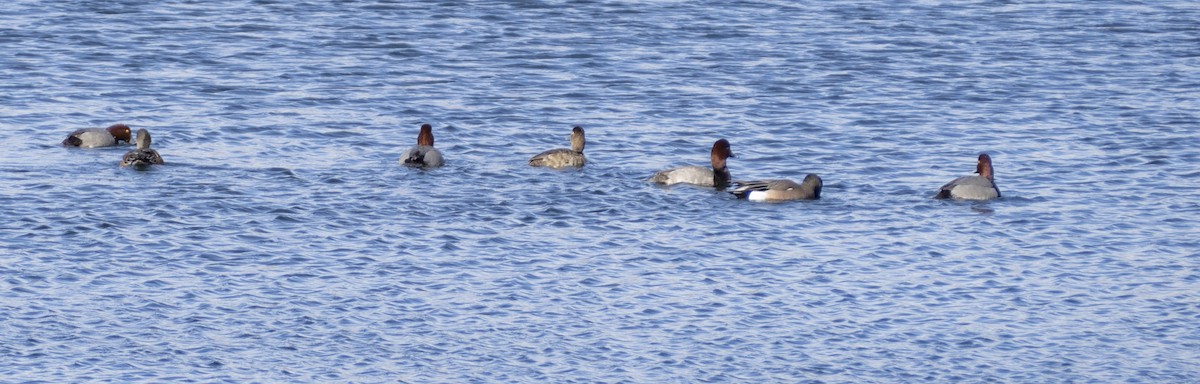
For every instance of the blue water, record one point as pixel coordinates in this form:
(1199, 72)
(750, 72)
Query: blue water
(282, 242)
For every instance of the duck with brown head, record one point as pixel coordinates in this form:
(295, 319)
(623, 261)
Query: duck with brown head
(98, 137)
(973, 187)
(423, 154)
(563, 157)
(717, 176)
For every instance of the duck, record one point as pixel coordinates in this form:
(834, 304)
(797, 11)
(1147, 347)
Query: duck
(563, 157)
(973, 187)
(717, 176)
(143, 155)
(98, 137)
(779, 190)
(423, 155)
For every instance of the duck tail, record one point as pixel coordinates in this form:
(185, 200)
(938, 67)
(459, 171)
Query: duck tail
(416, 158)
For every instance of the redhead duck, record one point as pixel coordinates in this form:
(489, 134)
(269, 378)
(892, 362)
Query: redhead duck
(423, 154)
(98, 137)
(779, 190)
(562, 157)
(981, 187)
(143, 155)
(717, 176)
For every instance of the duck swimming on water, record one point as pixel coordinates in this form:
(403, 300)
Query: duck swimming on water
(973, 187)
(563, 157)
(717, 176)
(98, 137)
(779, 190)
(143, 155)
(423, 154)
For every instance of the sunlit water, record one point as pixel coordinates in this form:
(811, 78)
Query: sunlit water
(282, 242)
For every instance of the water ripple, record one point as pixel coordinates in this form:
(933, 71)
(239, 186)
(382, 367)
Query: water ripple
(283, 242)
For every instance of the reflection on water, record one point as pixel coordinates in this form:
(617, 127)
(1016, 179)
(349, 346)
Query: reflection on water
(283, 242)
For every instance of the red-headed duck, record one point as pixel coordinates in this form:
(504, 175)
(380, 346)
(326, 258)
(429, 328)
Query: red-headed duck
(143, 155)
(423, 154)
(562, 157)
(981, 187)
(717, 176)
(779, 190)
(98, 137)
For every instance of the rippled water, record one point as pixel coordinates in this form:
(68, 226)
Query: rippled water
(283, 242)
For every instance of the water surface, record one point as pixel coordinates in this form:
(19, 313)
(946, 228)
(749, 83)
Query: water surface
(282, 242)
